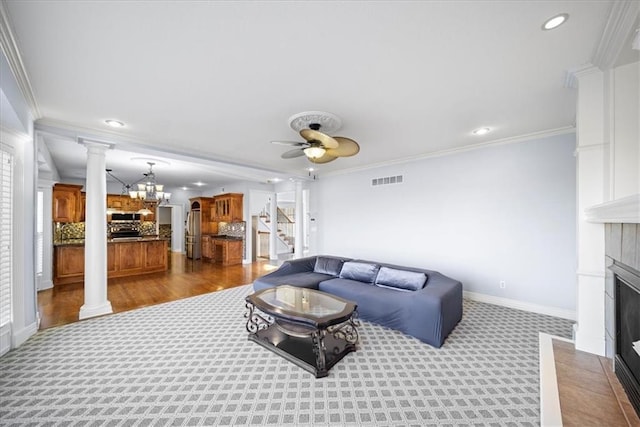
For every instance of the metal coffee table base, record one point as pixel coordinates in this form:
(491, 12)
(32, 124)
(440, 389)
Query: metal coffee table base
(314, 350)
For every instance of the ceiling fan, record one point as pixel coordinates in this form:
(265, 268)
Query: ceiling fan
(320, 147)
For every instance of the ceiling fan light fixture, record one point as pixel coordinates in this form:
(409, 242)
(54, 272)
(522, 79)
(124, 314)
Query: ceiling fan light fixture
(314, 152)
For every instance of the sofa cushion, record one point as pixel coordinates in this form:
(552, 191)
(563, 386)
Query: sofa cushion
(359, 271)
(328, 265)
(401, 279)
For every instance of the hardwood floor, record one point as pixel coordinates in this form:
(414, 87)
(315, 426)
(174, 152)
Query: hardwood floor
(185, 278)
(590, 394)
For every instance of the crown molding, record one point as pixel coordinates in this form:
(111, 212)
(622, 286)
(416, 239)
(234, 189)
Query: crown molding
(511, 140)
(573, 75)
(11, 52)
(620, 22)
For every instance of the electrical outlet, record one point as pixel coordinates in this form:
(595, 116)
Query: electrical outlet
(502, 284)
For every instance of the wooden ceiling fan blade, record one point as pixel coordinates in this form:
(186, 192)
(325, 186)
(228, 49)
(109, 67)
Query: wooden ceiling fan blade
(347, 147)
(324, 139)
(291, 143)
(291, 154)
(326, 158)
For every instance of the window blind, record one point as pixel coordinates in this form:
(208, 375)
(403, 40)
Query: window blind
(6, 253)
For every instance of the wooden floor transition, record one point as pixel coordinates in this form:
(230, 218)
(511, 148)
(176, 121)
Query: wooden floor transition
(590, 394)
(185, 278)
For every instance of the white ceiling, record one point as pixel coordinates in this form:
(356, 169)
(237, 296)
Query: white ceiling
(218, 80)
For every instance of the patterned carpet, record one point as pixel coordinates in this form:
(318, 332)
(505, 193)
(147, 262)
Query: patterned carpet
(189, 362)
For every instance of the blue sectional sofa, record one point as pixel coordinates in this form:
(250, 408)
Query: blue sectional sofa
(422, 303)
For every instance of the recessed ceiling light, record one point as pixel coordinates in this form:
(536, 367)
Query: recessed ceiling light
(555, 21)
(310, 169)
(199, 184)
(185, 188)
(114, 123)
(481, 131)
(275, 180)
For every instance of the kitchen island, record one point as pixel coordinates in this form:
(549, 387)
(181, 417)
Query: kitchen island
(125, 257)
(226, 250)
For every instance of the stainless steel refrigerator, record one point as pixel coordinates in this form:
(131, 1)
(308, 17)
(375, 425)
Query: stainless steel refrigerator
(193, 235)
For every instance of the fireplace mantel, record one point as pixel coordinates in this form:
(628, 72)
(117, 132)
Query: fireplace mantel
(620, 211)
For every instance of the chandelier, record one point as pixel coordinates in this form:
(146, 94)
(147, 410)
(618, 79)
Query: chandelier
(149, 191)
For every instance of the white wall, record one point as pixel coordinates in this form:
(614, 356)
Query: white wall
(502, 213)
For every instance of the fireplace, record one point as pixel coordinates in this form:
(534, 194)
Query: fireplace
(627, 339)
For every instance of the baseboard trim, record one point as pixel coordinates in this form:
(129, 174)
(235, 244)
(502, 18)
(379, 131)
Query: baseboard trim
(5, 341)
(521, 305)
(20, 337)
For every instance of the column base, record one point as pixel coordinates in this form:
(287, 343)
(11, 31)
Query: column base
(96, 310)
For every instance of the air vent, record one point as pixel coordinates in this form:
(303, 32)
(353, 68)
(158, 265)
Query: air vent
(387, 180)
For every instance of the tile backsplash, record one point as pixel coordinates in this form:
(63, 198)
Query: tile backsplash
(68, 231)
(235, 229)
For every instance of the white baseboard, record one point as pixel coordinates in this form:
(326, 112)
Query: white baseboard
(96, 310)
(521, 305)
(5, 341)
(20, 337)
(44, 285)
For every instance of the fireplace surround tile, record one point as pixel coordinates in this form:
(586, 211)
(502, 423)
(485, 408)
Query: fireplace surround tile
(614, 242)
(628, 254)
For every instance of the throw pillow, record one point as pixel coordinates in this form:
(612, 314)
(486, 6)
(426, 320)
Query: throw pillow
(401, 279)
(360, 271)
(326, 265)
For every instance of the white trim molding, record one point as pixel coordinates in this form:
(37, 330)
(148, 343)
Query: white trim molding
(521, 305)
(497, 142)
(620, 23)
(20, 337)
(572, 74)
(11, 52)
(625, 210)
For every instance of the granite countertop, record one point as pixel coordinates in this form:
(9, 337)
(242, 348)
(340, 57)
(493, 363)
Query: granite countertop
(80, 242)
(224, 237)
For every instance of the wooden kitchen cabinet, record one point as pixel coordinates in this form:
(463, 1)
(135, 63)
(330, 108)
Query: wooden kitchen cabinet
(66, 203)
(207, 247)
(125, 258)
(203, 204)
(68, 264)
(227, 252)
(227, 207)
(83, 206)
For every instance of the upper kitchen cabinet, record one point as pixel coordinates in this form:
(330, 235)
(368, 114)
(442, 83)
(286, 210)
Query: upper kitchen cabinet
(204, 204)
(66, 203)
(227, 207)
(83, 206)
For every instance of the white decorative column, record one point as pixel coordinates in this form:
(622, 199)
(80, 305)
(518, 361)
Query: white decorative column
(95, 240)
(592, 189)
(299, 219)
(273, 235)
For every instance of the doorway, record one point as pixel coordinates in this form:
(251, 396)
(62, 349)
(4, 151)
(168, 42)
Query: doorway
(170, 224)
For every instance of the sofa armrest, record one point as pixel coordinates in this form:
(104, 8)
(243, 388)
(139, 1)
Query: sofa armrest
(436, 307)
(299, 265)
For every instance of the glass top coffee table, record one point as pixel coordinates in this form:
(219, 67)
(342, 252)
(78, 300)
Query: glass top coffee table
(312, 329)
